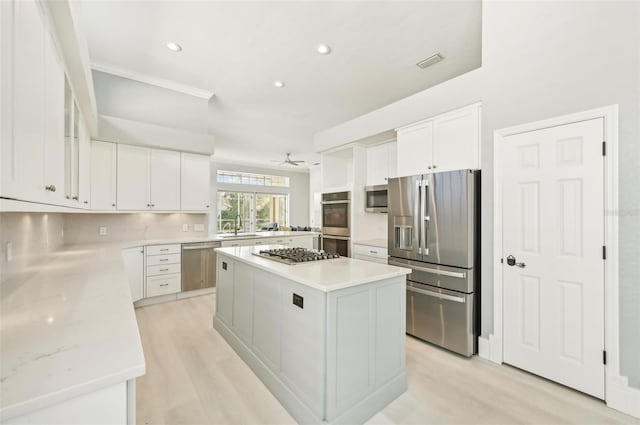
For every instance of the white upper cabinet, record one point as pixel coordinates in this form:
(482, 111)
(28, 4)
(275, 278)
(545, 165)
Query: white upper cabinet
(415, 149)
(103, 175)
(457, 140)
(196, 182)
(148, 179)
(54, 126)
(84, 167)
(381, 163)
(447, 142)
(165, 180)
(28, 102)
(133, 178)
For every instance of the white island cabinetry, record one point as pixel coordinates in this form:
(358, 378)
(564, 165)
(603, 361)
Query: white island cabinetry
(327, 338)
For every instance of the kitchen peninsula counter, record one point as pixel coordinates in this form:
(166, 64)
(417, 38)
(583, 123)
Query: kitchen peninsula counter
(326, 337)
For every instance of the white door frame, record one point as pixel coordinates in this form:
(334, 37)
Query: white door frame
(617, 392)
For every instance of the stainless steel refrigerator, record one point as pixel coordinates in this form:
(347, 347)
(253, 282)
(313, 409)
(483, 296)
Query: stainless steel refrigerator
(434, 230)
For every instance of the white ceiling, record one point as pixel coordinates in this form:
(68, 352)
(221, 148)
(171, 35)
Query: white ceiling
(237, 49)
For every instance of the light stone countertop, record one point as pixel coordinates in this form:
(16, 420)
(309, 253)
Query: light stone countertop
(380, 243)
(324, 275)
(70, 328)
(219, 238)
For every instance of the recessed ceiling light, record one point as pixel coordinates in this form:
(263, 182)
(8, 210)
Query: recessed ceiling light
(323, 49)
(278, 84)
(174, 47)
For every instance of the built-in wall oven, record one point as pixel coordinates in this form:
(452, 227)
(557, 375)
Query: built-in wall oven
(336, 225)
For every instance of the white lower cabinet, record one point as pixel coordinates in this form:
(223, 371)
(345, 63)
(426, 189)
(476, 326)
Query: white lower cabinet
(330, 357)
(370, 253)
(163, 284)
(163, 270)
(134, 265)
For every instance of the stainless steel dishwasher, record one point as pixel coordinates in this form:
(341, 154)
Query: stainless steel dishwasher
(199, 265)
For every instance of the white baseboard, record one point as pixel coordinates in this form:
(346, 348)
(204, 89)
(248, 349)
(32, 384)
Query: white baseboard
(622, 397)
(483, 348)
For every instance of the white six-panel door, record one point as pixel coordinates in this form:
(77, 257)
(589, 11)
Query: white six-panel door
(553, 223)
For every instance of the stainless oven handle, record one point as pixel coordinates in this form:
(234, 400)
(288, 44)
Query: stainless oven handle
(461, 275)
(436, 294)
(334, 202)
(340, 238)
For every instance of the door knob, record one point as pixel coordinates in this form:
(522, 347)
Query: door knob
(511, 261)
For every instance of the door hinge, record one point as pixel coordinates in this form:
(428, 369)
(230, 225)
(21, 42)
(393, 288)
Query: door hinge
(604, 356)
(604, 148)
(604, 252)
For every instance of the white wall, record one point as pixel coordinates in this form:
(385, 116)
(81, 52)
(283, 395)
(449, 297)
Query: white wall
(544, 59)
(84, 228)
(540, 60)
(33, 236)
(298, 190)
(139, 113)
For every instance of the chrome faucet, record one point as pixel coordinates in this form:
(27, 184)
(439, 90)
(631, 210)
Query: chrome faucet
(237, 225)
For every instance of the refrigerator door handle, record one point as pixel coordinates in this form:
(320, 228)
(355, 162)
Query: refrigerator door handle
(460, 275)
(425, 217)
(418, 213)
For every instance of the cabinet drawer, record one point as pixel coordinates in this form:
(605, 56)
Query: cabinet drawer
(369, 258)
(157, 260)
(163, 269)
(370, 251)
(163, 249)
(163, 284)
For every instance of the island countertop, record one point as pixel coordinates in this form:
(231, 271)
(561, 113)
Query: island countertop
(324, 275)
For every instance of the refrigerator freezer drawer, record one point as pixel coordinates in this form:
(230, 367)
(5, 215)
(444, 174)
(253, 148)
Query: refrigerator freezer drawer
(452, 278)
(442, 317)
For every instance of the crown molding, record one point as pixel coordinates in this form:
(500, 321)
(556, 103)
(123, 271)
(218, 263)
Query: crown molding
(154, 81)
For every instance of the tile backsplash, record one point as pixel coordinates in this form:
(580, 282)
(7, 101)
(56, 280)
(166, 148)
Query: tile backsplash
(28, 237)
(85, 228)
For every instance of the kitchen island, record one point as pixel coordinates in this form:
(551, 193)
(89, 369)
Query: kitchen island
(326, 337)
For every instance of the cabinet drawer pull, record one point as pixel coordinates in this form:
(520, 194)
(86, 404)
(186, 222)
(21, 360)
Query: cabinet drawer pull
(373, 252)
(164, 284)
(164, 259)
(164, 249)
(164, 270)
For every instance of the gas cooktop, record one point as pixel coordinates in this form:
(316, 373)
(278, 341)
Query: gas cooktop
(295, 255)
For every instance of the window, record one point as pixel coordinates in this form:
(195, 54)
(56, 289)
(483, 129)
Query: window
(256, 211)
(237, 177)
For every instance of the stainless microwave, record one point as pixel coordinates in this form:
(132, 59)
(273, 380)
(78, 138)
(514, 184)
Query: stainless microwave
(376, 198)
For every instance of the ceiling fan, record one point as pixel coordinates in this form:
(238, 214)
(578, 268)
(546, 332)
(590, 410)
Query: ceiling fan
(288, 160)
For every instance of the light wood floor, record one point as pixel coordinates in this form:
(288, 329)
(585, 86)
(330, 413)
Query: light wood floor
(194, 377)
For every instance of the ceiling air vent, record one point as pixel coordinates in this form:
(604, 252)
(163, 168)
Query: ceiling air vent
(430, 60)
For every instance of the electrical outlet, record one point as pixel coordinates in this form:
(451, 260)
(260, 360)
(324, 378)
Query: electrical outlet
(198, 227)
(185, 227)
(9, 251)
(103, 231)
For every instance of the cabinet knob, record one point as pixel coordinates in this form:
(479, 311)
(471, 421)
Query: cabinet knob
(434, 165)
(50, 188)
(148, 205)
(429, 167)
(113, 205)
(207, 206)
(153, 205)
(75, 198)
(86, 202)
